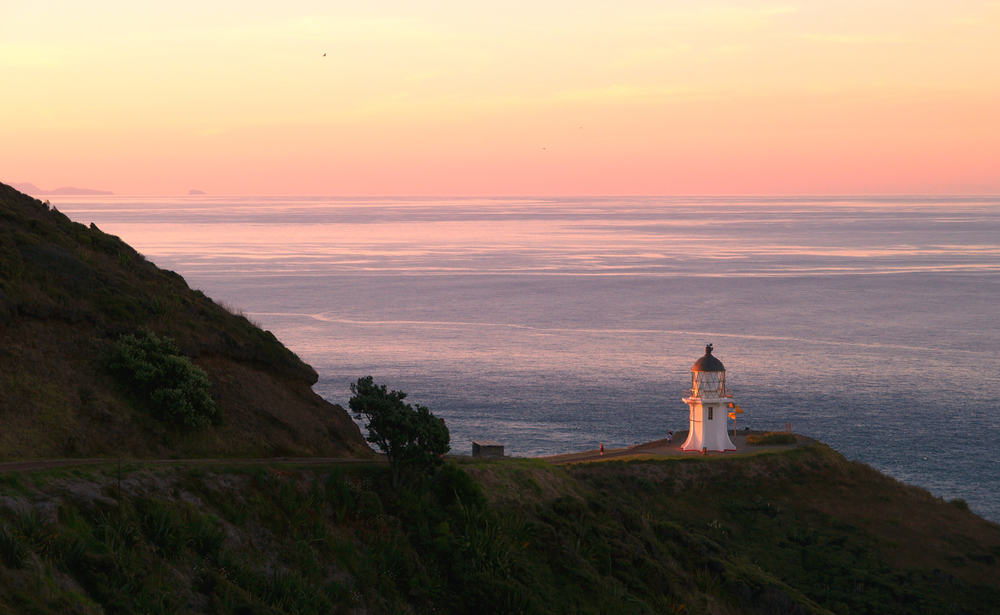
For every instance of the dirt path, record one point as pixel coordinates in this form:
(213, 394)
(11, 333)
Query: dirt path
(42, 464)
(660, 448)
(657, 448)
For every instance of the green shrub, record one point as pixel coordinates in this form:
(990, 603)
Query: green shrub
(771, 438)
(152, 369)
(452, 483)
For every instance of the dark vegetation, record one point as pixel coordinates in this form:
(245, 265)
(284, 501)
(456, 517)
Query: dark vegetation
(70, 292)
(771, 438)
(412, 439)
(153, 370)
(835, 533)
(801, 531)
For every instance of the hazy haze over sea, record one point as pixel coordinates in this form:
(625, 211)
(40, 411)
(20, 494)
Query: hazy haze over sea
(554, 324)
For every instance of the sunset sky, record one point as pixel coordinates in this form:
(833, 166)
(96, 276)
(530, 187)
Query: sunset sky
(582, 97)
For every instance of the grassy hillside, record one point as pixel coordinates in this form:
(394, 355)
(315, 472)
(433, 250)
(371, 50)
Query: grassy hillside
(68, 292)
(802, 531)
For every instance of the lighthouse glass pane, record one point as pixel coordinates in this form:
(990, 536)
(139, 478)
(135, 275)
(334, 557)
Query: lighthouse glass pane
(708, 384)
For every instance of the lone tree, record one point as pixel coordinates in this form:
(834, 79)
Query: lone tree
(413, 439)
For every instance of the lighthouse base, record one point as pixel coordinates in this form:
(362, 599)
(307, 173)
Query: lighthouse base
(707, 425)
(717, 444)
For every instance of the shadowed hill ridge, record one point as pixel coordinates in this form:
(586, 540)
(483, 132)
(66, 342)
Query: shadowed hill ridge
(794, 532)
(69, 291)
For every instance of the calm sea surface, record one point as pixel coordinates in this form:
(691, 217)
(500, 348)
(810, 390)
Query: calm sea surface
(551, 325)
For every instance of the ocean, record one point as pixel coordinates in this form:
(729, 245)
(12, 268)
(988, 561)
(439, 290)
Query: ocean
(554, 324)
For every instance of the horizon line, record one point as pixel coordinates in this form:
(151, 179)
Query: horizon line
(844, 195)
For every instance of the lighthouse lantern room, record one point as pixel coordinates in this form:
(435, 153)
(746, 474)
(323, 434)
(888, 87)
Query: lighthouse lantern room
(709, 401)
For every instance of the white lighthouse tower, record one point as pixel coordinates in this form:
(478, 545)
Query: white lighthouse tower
(709, 400)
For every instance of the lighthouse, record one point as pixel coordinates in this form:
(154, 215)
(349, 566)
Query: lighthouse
(709, 401)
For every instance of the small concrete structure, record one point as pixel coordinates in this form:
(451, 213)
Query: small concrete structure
(487, 448)
(709, 401)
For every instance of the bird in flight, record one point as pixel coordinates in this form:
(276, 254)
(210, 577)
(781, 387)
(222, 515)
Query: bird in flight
(324, 55)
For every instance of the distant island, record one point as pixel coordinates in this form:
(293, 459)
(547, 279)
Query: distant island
(34, 190)
(193, 192)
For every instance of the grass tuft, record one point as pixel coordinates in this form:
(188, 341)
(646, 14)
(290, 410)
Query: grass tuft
(12, 549)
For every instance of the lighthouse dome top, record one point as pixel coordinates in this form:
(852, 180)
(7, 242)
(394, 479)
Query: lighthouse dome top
(708, 363)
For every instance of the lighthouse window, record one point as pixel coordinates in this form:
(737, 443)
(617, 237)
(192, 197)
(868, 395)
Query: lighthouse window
(710, 413)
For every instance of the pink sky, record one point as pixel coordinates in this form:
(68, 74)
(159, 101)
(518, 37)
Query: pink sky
(512, 98)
